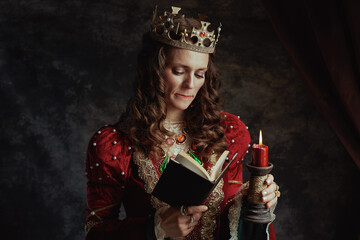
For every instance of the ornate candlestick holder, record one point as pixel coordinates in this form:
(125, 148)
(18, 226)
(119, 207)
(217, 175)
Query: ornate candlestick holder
(253, 209)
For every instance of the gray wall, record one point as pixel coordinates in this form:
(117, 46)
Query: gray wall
(66, 68)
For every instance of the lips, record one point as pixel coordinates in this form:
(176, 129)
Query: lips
(183, 95)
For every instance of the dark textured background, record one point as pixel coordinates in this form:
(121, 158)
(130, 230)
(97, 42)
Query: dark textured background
(66, 68)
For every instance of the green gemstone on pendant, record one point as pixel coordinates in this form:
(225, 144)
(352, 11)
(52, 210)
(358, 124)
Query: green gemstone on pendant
(163, 165)
(167, 24)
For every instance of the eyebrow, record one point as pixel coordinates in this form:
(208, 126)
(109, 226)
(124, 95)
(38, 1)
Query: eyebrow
(185, 66)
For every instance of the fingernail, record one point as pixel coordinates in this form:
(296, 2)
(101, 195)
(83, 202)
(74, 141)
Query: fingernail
(268, 181)
(264, 193)
(205, 208)
(264, 199)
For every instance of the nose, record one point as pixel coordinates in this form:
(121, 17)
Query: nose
(189, 80)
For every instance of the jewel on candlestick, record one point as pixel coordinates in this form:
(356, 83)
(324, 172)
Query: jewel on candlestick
(254, 210)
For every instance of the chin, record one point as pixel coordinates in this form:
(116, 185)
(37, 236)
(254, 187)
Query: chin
(182, 107)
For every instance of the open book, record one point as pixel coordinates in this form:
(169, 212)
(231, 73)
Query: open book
(185, 182)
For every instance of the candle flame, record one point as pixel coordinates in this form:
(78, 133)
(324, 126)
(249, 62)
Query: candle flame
(260, 138)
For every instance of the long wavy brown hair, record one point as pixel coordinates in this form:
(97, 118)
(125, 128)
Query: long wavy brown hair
(143, 120)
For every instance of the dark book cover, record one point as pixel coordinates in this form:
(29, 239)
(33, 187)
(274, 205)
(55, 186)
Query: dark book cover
(180, 186)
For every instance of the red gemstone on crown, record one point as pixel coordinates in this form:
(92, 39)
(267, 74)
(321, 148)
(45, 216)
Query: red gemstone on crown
(202, 34)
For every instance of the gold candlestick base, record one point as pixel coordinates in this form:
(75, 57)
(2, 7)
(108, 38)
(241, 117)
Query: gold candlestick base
(253, 209)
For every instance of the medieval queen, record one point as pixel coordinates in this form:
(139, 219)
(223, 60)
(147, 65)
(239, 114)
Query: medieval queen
(175, 108)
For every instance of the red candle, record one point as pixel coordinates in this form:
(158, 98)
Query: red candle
(260, 154)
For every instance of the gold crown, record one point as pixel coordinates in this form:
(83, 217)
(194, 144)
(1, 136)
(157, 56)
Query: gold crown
(164, 30)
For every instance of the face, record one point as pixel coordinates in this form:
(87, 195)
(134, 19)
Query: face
(184, 75)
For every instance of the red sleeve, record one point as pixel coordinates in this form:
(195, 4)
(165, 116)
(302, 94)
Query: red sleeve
(238, 139)
(107, 162)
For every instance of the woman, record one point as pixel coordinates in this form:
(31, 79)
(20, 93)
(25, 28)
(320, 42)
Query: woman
(175, 108)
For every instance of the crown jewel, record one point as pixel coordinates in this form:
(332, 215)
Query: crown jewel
(166, 31)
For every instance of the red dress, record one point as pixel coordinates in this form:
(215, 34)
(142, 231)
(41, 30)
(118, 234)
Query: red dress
(117, 174)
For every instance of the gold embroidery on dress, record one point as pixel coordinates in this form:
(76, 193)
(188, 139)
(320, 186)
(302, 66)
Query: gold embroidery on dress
(214, 201)
(93, 212)
(89, 225)
(146, 171)
(148, 174)
(235, 181)
(208, 222)
(209, 218)
(234, 216)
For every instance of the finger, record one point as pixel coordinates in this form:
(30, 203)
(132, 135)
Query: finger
(186, 228)
(192, 222)
(196, 209)
(197, 216)
(184, 232)
(269, 190)
(171, 211)
(271, 203)
(269, 179)
(187, 231)
(192, 225)
(194, 219)
(183, 220)
(268, 198)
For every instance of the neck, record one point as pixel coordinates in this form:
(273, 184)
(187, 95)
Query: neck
(175, 115)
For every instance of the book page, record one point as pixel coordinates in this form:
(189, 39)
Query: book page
(187, 161)
(218, 166)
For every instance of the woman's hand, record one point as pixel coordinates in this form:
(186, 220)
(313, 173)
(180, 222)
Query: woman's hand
(176, 224)
(268, 195)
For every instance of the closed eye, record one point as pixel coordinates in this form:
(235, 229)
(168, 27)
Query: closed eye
(199, 76)
(178, 72)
